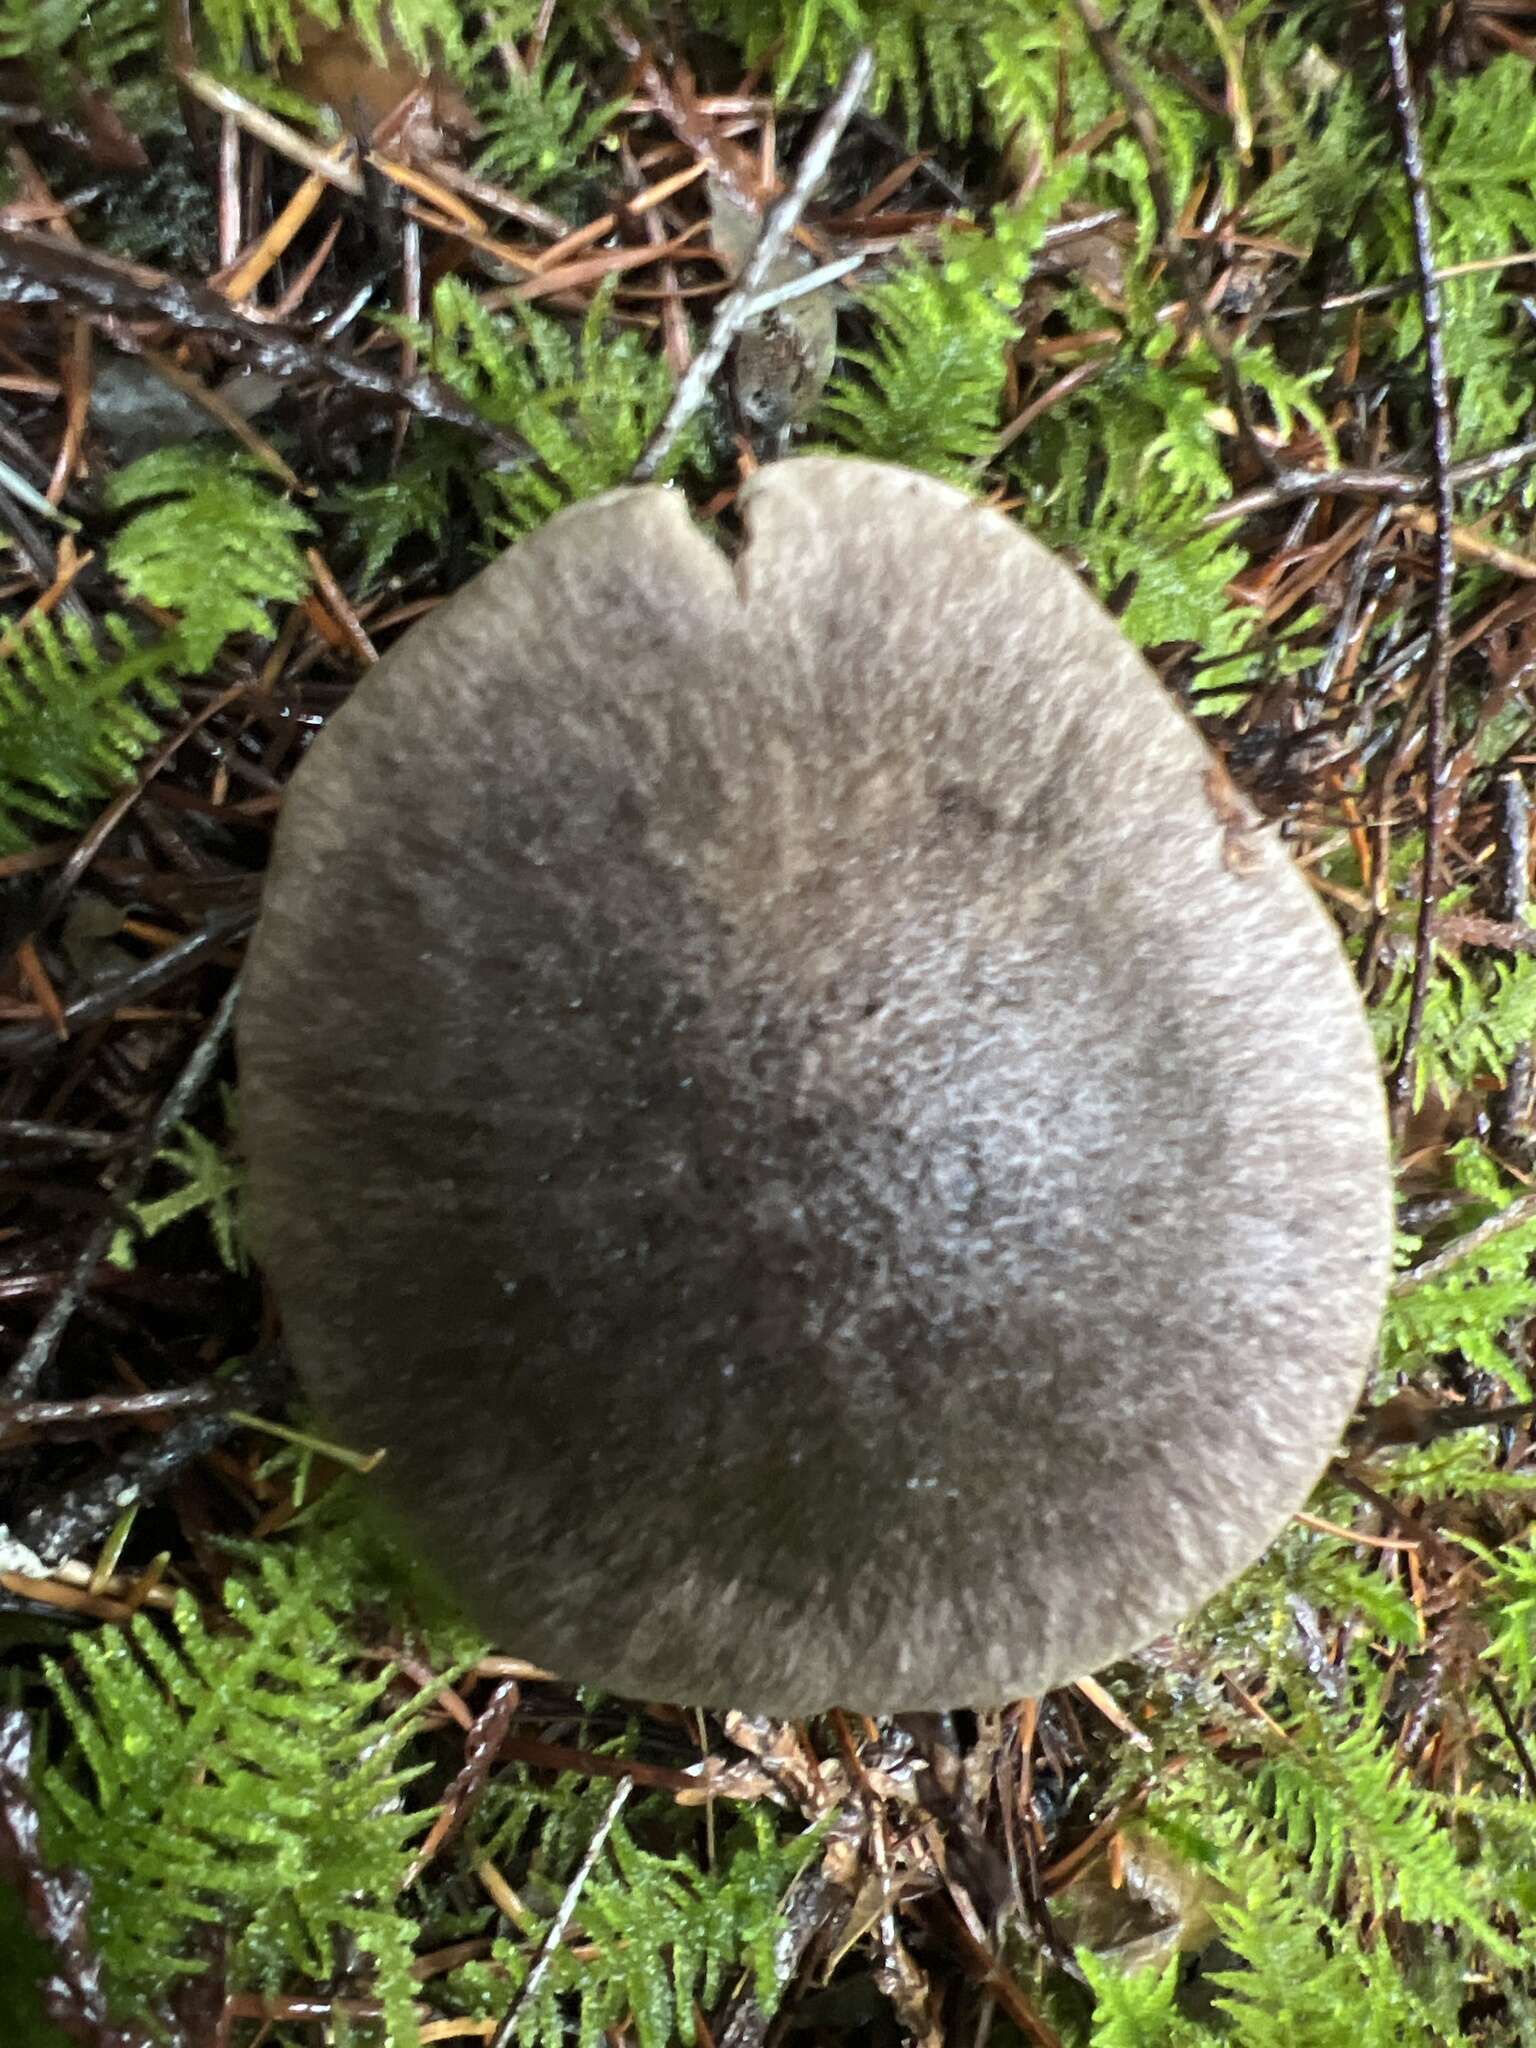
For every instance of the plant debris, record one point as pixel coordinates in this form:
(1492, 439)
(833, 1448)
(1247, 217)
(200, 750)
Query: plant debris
(1233, 307)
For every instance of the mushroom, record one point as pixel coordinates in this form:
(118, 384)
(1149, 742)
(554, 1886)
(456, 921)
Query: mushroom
(837, 1157)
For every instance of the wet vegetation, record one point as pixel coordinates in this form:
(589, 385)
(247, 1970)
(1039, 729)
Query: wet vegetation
(306, 308)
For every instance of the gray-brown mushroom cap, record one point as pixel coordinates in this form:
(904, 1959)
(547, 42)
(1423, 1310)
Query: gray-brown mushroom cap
(835, 1168)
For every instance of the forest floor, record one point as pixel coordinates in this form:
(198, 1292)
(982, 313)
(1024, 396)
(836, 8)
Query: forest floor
(300, 319)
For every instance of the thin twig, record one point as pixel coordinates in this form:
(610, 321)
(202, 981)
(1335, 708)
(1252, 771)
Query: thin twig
(1142, 119)
(674, 100)
(809, 281)
(1349, 612)
(1514, 890)
(506, 2033)
(1405, 485)
(1087, 224)
(1501, 1415)
(1063, 387)
(741, 303)
(1439, 659)
(39, 270)
(88, 1415)
(31, 546)
(34, 1361)
(1466, 928)
(1398, 287)
(482, 1744)
(67, 1523)
(333, 168)
(26, 1041)
(1512, 1731)
(31, 1130)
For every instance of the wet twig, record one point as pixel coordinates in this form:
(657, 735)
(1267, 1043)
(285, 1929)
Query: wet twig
(1405, 486)
(25, 1041)
(84, 1417)
(1439, 658)
(815, 1918)
(482, 1749)
(70, 1521)
(1512, 1732)
(42, 1344)
(1398, 287)
(1511, 1117)
(506, 2033)
(39, 270)
(92, 841)
(1349, 612)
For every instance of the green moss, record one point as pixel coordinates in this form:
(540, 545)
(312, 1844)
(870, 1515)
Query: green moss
(253, 1769)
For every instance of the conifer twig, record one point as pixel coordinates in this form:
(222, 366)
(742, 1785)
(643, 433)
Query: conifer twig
(1403, 485)
(1511, 1729)
(482, 1745)
(36, 269)
(1439, 658)
(741, 303)
(506, 2033)
(38, 1355)
(69, 1522)
(24, 1041)
(85, 1416)
(1511, 1114)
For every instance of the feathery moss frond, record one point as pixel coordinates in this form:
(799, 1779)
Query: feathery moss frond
(33, 29)
(75, 715)
(586, 406)
(428, 30)
(1480, 154)
(1135, 2009)
(1472, 1309)
(932, 380)
(106, 36)
(538, 130)
(1475, 1020)
(931, 385)
(663, 1934)
(1047, 90)
(210, 540)
(926, 55)
(1354, 1817)
(239, 1777)
(1510, 1610)
(211, 1181)
(1310, 1857)
(413, 501)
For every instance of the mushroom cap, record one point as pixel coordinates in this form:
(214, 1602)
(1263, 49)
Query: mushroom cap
(838, 1167)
